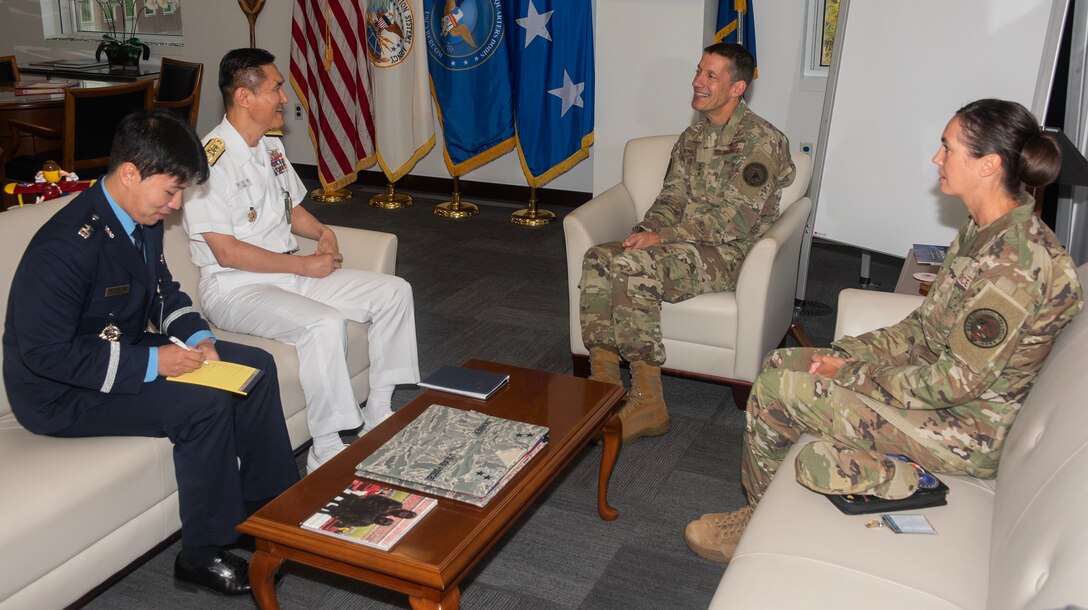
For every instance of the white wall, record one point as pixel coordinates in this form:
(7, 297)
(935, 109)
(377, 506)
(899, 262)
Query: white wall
(646, 53)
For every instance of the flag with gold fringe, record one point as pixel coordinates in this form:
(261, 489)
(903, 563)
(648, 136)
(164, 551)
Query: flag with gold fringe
(329, 75)
(737, 24)
(470, 80)
(552, 53)
(403, 119)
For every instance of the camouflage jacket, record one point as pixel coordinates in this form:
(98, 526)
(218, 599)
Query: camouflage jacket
(957, 370)
(724, 182)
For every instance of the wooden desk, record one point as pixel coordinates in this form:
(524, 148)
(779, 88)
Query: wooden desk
(430, 561)
(100, 74)
(47, 110)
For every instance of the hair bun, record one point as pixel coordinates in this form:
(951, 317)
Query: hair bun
(1040, 159)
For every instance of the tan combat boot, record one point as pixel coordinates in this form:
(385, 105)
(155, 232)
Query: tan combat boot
(645, 413)
(715, 536)
(604, 365)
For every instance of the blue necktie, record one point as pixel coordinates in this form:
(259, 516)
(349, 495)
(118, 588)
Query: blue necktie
(138, 240)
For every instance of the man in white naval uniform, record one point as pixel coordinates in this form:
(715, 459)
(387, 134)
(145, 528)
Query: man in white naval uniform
(242, 224)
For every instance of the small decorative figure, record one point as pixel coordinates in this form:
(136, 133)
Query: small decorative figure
(49, 183)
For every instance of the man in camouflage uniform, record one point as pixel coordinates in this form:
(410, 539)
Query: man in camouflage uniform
(719, 197)
(942, 387)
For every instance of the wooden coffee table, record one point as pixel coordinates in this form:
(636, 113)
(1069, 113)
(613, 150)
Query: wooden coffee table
(430, 561)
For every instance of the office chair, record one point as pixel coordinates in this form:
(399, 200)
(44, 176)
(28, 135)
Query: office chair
(91, 116)
(179, 88)
(9, 70)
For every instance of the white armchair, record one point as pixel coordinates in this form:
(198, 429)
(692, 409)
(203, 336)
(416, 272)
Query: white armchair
(721, 336)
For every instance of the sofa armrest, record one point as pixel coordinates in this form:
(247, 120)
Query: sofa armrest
(861, 311)
(607, 217)
(362, 249)
(766, 287)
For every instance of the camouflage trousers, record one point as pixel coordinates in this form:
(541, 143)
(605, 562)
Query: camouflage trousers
(622, 292)
(786, 401)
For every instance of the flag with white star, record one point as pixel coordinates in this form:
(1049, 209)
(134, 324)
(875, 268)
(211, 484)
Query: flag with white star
(470, 79)
(552, 55)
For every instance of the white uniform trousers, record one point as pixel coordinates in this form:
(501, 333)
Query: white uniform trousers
(312, 314)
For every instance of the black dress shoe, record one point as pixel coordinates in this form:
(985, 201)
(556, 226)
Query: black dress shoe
(228, 574)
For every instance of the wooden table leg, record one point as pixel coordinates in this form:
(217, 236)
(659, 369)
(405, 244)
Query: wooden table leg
(613, 438)
(262, 577)
(450, 601)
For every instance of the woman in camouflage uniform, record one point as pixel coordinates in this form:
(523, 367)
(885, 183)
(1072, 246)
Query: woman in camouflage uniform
(944, 385)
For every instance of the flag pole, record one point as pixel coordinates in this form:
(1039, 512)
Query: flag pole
(252, 8)
(391, 199)
(532, 217)
(455, 208)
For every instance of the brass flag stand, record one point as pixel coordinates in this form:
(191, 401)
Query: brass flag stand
(456, 208)
(532, 217)
(331, 196)
(391, 199)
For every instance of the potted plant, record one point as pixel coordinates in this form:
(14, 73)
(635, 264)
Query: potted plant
(125, 50)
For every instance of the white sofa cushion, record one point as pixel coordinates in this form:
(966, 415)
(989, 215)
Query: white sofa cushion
(799, 551)
(63, 497)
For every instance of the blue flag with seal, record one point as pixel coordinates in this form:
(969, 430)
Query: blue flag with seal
(737, 23)
(551, 47)
(470, 80)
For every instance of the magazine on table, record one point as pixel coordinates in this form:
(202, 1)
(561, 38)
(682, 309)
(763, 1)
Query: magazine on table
(926, 254)
(370, 514)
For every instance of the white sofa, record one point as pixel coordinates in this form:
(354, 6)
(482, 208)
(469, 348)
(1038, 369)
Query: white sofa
(721, 336)
(1018, 541)
(76, 511)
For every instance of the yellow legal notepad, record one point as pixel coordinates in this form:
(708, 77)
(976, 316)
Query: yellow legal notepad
(237, 378)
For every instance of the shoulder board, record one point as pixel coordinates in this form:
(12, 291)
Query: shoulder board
(214, 149)
(89, 226)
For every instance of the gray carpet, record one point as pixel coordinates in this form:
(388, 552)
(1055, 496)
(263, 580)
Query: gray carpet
(486, 288)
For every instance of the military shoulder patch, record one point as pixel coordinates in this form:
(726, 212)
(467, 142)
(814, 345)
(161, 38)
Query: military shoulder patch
(213, 149)
(985, 328)
(989, 320)
(755, 174)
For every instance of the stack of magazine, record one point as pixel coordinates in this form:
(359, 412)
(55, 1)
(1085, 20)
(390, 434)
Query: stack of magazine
(463, 455)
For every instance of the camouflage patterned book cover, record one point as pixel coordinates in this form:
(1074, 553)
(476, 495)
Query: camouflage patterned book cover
(466, 452)
(453, 495)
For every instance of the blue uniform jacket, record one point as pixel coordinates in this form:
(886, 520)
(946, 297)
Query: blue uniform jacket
(80, 274)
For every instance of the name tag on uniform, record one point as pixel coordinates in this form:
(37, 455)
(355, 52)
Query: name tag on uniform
(114, 291)
(241, 184)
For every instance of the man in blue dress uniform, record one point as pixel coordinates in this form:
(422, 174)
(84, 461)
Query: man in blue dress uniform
(80, 360)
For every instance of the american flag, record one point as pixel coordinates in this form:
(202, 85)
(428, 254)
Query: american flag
(330, 75)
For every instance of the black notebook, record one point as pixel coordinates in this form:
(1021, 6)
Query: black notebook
(473, 383)
(931, 492)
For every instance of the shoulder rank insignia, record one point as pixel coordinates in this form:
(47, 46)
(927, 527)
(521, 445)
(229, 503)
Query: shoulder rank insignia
(213, 149)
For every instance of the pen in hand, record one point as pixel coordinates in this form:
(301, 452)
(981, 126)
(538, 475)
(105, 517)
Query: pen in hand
(181, 344)
(184, 346)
